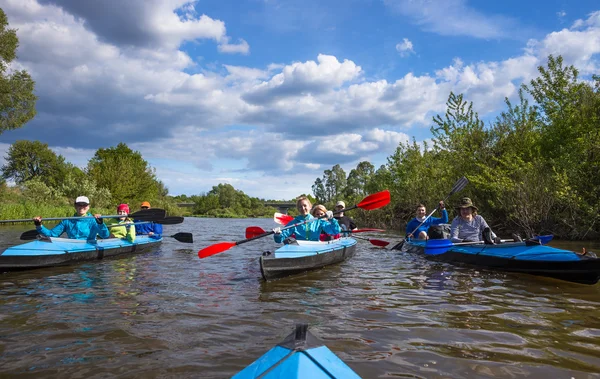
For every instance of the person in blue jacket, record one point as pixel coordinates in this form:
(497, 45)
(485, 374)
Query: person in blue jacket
(308, 230)
(150, 229)
(418, 226)
(83, 229)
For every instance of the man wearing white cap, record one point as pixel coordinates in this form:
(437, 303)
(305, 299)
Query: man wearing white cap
(83, 229)
(346, 223)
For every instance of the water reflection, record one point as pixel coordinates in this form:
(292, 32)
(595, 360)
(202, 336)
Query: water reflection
(387, 314)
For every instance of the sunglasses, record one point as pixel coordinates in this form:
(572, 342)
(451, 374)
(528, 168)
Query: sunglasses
(81, 204)
(145, 207)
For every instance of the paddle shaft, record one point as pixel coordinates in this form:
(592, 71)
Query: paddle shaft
(459, 185)
(144, 213)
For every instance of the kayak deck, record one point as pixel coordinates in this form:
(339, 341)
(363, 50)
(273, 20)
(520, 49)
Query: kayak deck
(54, 251)
(304, 256)
(301, 355)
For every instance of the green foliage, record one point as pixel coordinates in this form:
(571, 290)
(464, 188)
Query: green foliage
(225, 201)
(17, 99)
(29, 160)
(533, 170)
(126, 175)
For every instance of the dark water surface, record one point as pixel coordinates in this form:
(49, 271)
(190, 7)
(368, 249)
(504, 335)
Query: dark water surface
(387, 314)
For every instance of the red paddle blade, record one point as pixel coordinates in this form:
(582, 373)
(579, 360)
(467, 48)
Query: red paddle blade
(379, 242)
(367, 230)
(215, 249)
(376, 200)
(253, 231)
(282, 219)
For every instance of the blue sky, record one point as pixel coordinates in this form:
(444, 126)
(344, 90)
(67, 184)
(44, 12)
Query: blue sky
(267, 94)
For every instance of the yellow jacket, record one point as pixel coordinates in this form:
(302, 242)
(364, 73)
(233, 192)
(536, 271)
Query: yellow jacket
(127, 232)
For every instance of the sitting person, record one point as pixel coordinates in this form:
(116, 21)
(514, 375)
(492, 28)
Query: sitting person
(420, 224)
(308, 229)
(319, 211)
(346, 223)
(84, 229)
(150, 228)
(126, 231)
(469, 226)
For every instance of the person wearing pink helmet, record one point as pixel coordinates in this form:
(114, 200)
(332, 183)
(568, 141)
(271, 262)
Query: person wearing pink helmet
(126, 231)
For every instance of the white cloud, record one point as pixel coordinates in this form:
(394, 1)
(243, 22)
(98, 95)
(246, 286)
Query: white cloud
(455, 18)
(265, 122)
(405, 48)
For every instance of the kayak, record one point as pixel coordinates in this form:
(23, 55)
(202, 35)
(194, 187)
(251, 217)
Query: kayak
(301, 355)
(52, 251)
(526, 257)
(302, 256)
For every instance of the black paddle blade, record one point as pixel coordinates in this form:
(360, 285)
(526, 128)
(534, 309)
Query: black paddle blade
(171, 220)
(459, 185)
(152, 214)
(183, 237)
(29, 235)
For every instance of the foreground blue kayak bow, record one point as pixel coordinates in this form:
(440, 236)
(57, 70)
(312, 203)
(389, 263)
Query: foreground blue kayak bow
(300, 356)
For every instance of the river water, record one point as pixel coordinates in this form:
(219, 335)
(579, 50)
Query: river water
(387, 314)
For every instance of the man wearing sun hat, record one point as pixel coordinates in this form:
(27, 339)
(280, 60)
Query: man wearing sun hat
(83, 229)
(150, 229)
(346, 223)
(468, 226)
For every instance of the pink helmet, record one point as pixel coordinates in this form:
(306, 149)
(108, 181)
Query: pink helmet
(123, 207)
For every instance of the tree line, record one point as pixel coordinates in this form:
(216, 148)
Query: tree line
(532, 170)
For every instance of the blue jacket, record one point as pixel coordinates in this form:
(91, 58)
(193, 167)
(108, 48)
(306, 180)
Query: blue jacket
(310, 231)
(84, 229)
(430, 221)
(144, 229)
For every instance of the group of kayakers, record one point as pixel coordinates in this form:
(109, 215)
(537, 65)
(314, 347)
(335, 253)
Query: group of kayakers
(93, 226)
(315, 223)
(468, 226)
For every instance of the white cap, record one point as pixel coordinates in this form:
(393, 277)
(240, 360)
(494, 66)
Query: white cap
(341, 203)
(82, 199)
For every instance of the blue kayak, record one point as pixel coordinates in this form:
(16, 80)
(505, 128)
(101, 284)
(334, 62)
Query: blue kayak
(527, 257)
(300, 356)
(302, 256)
(53, 251)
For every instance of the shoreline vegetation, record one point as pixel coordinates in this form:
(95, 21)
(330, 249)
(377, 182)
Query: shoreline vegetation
(532, 170)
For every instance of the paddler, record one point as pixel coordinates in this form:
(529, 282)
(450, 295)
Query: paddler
(307, 230)
(126, 231)
(84, 229)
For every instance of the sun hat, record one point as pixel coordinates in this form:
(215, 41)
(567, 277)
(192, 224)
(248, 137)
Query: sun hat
(82, 199)
(340, 203)
(145, 204)
(465, 202)
(123, 207)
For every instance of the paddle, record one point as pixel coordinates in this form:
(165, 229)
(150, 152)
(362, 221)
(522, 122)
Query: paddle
(375, 242)
(253, 231)
(374, 201)
(458, 186)
(181, 237)
(282, 219)
(153, 214)
(171, 220)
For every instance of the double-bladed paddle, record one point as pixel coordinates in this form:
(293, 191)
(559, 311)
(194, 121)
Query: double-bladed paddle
(152, 214)
(374, 201)
(181, 237)
(458, 186)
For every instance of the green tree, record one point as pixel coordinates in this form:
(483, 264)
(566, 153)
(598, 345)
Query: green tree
(17, 101)
(319, 190)
(27, 160)
(124, 173)
(358, 178)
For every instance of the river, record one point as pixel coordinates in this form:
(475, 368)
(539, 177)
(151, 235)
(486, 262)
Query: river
(167, 314)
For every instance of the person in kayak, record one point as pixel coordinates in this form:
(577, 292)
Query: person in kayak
(419, 225)
(319, 211)
(150, 229)
(84, 229)
(468, 226)
(346, 223)
(125, 231)
(309, 228)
